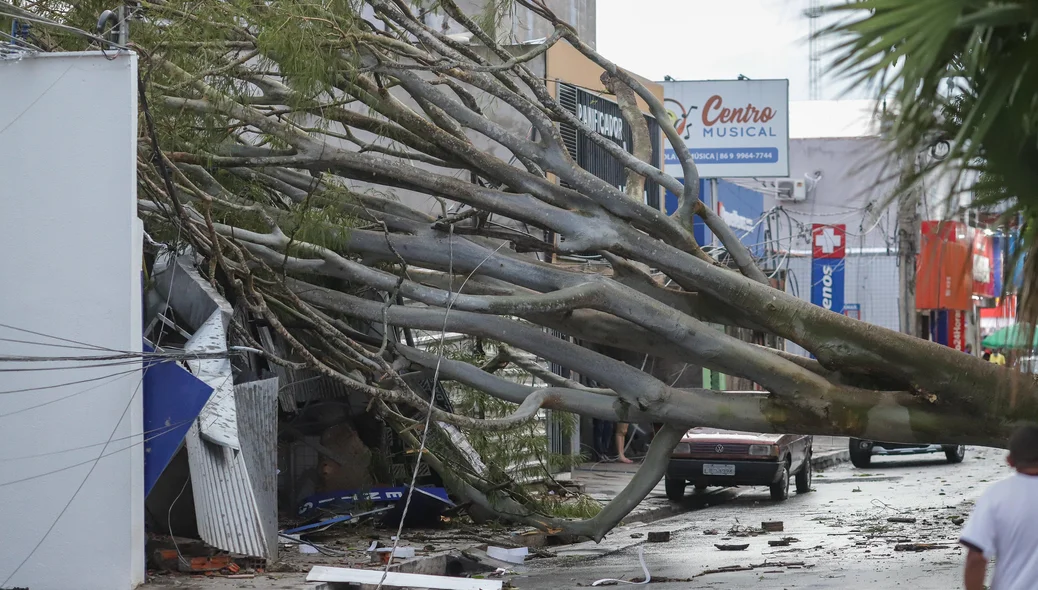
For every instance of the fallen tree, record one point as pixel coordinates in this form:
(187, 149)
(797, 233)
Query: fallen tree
(282, 141)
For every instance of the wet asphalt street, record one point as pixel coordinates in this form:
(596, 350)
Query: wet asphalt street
(843, 538)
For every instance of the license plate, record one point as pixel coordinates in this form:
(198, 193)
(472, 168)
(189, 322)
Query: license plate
(717, 469)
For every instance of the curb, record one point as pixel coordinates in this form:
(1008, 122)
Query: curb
(830, 459)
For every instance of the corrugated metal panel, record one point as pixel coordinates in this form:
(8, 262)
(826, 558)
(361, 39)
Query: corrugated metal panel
(303, 385)
(258, 431)
(311, 385)
(225, 505)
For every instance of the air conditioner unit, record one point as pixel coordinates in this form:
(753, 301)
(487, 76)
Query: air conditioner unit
(791, 189)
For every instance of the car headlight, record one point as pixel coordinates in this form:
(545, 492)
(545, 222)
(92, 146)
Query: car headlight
(683, 449)
(762, 450)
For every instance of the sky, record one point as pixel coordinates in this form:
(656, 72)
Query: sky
(712, 40)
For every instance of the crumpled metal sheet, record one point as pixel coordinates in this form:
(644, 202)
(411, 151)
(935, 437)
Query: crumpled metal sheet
(231, 447)
(225, 504)
(258, 432)
(235, 491)
(218, 421)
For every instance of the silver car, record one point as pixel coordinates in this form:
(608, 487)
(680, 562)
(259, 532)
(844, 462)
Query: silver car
(862, 450)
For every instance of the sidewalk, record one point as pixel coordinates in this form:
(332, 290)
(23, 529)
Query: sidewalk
(603, 481)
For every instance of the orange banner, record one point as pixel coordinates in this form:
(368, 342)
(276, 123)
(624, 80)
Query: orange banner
(944, 269)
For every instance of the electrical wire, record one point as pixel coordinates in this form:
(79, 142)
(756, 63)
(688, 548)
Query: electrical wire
(20, 15)
(47, 344)
(58, 385)
(169, 519)
(432, 392)
(320, 548)
(432, 401)
(93, 466)
(174, 355)
(21, 44)
(146, 360)
(58, 338)
(113, 378)
(645, 570)
(154, 432)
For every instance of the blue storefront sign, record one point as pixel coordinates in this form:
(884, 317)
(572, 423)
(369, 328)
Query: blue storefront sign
(827, 287)
(739, 207)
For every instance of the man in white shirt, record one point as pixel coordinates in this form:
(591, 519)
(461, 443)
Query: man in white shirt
(1004, 523)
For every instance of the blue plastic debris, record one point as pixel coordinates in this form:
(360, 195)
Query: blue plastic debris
(173, 398)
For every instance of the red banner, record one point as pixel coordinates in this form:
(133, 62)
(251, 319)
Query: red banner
(944, 269)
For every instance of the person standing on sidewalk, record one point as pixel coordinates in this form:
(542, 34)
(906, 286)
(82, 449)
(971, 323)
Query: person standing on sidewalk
(621, 442)
(602, 432)
(1004, 523)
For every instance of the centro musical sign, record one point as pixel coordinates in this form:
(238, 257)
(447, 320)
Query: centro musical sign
(828, 246)
(732, 128)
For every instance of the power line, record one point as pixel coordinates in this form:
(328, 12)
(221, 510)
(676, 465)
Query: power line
(60, 339)
(58, 385)
(157, 432)
(79, 488)
(112, 378)
(20, 14)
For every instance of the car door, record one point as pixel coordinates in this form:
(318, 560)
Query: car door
(797, 451)
(805, 443)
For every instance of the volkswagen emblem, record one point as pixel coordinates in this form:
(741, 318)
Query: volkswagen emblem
(719, 448)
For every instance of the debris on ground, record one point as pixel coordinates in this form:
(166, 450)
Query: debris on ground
(659, 536)
(174, 561)
(728, 569)
(902, 519)
(514, 556)
(920, 546)
(723, 547)
(346, 575)
(347, 499)
(745, 531)
(385, 555)
(775, 526)
(783, 542)
(483, 559)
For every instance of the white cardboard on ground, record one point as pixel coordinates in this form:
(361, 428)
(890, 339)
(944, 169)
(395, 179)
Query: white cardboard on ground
(355, 576)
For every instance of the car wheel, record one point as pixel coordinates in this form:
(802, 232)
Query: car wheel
(955, 453)
(780, 489)
(804, 476)
(675, 489)
(700, 489)
(861, 452)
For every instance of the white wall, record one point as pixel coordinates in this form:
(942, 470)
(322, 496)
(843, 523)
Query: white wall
(71, 268)
(869, 280)
(855, 189)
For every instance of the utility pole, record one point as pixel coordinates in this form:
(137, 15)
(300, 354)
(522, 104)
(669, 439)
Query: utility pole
(908, 233)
